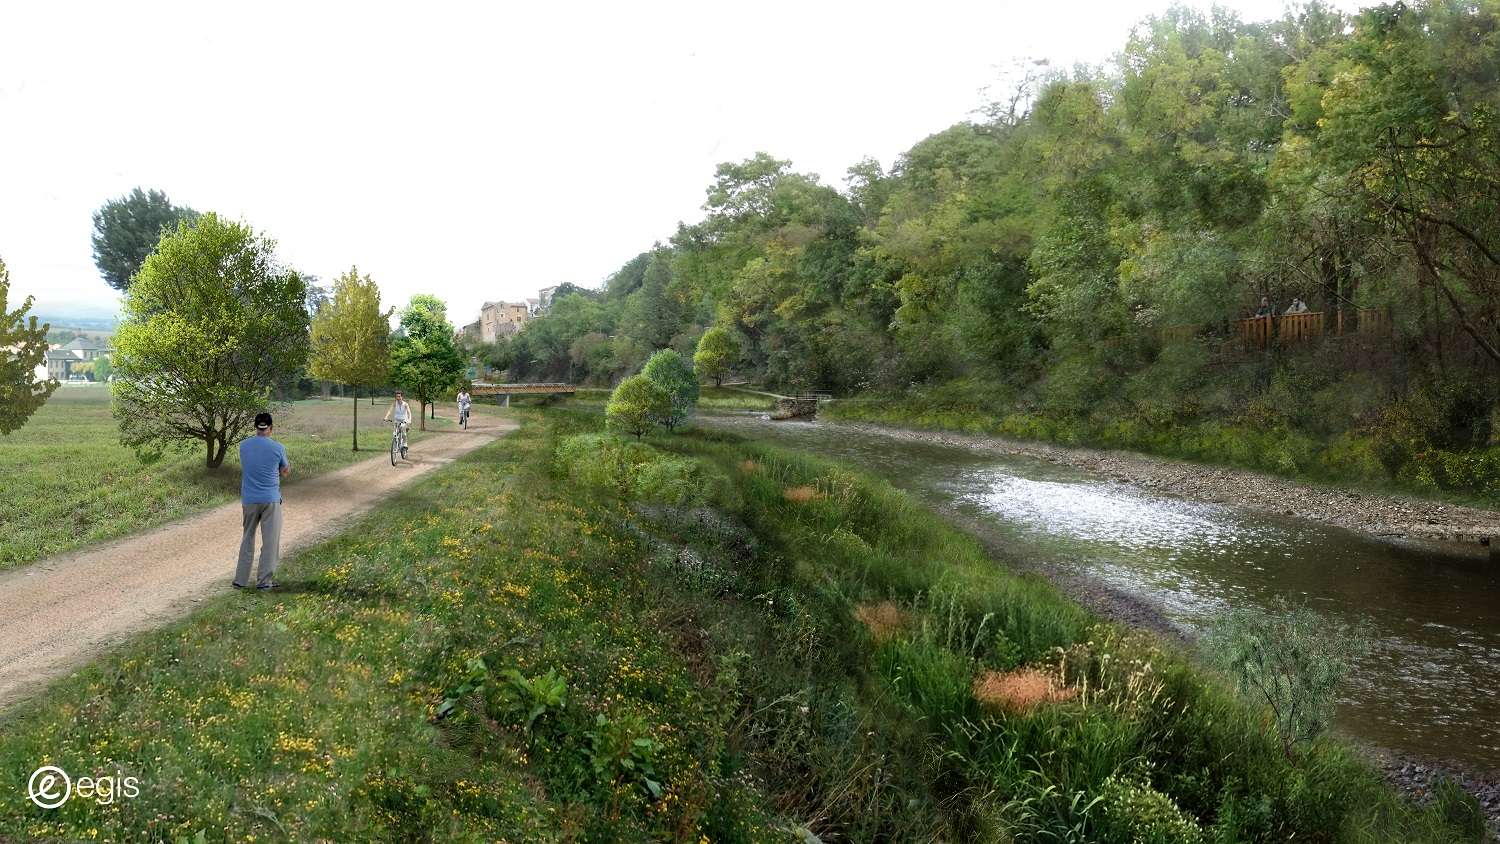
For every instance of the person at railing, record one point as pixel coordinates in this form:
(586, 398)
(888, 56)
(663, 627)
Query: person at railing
(1265, 308)
(1297, 307)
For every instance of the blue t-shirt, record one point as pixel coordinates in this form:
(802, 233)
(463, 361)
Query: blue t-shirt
(261, 459)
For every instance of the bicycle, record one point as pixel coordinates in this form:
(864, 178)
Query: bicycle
(463, 418)
(398, 442)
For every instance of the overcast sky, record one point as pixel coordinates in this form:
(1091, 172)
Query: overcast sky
(475, 151)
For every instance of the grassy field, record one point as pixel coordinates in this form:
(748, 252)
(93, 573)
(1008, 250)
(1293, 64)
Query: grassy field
(68, 482)
(567, 637)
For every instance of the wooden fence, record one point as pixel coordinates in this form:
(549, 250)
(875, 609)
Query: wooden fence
(1289, 329)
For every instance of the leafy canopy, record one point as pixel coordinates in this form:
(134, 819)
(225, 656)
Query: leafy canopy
(636, 406)
(350, 338)
(212, 323)
(717, 352)
(424, 357)
(676, 378)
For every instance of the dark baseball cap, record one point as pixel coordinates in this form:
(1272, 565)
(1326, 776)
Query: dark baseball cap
(262, 421)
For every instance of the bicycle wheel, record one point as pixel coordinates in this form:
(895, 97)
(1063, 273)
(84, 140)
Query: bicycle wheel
(393, 451)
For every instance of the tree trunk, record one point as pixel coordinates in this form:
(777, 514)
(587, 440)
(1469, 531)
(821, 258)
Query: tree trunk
(216, 455)
(327, 389)
(422, 415)
(356, 418)
(718, 380)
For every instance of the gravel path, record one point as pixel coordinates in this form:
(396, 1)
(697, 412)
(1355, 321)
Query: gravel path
(59, 613)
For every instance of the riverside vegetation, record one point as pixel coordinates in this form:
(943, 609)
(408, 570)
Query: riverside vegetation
(1068, 264)
(569, 635)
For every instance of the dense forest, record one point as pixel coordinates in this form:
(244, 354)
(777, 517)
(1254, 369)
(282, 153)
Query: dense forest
(1076, 263)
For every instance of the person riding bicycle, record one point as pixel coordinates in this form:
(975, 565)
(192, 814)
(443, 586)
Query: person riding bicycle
(463, 404)
(400, 412)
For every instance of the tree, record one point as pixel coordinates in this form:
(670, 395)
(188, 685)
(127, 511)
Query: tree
(676, 378)
(127, 229)
(636, 405)
(424, 358)
(717, 352)
(350, 337)
(1289, 658)
(86, 369)
(23, 348)
(103, 368)
(212, 323)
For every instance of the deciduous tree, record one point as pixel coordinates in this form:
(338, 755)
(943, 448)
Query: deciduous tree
(23, 348)
(424, 359)
(636, 405)
(350, 338)
(676, 378)
(212, 323)
(717, 352)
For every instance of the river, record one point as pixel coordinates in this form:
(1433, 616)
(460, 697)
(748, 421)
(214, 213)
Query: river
(1427, 689)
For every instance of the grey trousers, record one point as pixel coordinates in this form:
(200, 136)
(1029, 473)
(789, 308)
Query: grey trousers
(268, 518)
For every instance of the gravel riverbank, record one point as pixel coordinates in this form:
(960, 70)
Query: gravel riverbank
(1465, 529)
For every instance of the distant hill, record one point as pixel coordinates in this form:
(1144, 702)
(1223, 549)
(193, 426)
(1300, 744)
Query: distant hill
(95, 321)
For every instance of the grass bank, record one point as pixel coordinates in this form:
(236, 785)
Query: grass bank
(565, 636)
(67, 481)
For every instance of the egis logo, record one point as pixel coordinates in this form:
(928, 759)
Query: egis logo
(51, 787)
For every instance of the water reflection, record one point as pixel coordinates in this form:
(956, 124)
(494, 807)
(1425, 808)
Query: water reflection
(1429, 685)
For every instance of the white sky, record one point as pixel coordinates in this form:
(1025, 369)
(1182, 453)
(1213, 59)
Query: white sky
(480, 151)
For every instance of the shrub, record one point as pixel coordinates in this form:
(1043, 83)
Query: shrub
(602, 462)
(636, 406)
(679, 481)
(1289, 658)
(1135, 813)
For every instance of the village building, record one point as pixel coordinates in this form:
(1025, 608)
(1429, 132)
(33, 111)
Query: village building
(61, 360)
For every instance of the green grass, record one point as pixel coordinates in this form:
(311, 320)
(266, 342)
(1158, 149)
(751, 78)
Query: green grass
(69, 482)
(570, 637)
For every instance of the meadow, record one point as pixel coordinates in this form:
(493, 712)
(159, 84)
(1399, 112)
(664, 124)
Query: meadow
(66, 482)
(565, 636)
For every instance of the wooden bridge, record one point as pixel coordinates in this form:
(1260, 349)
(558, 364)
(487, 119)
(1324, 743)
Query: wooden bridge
(505, 391)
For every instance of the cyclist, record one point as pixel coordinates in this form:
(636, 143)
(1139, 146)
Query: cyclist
(463, 407)
(400, 413)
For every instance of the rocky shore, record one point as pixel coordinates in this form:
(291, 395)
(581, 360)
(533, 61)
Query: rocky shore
(1463, 529)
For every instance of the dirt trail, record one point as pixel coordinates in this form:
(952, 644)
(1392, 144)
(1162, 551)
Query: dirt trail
(58, 613)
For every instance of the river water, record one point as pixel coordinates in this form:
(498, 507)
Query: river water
(1427, 689)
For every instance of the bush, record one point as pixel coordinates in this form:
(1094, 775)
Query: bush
(602, 462)
(678, 481)
(1135, 813)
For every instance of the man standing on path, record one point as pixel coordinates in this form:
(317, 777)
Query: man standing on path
(263, 464)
